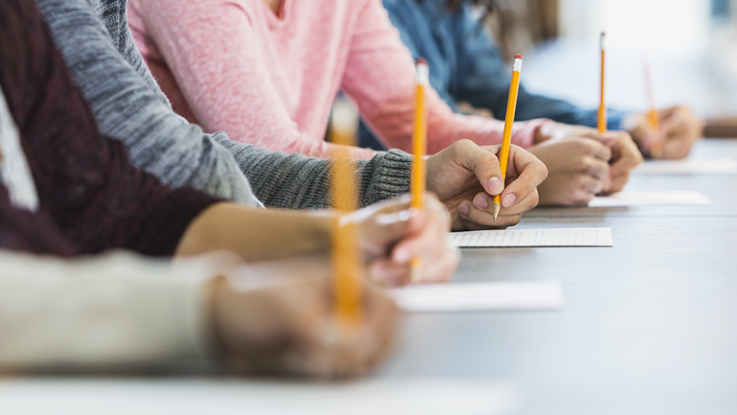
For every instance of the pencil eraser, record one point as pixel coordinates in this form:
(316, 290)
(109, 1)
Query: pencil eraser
(518, 56)
(421, 61)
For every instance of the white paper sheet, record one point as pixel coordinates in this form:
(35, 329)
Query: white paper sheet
(486, 296)
(427, 396)
(530, 238)
(724, 165)
(654, 198)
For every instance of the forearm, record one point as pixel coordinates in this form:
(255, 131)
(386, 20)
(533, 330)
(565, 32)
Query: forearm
(298, 182)
(114, 311)
(126, 107)
(256, 234)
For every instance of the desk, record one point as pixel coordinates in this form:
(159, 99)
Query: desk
(649, 326)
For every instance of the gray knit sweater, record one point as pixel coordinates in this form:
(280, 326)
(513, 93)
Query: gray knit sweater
(94, 37)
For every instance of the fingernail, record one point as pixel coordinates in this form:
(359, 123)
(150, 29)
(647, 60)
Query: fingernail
(464, 209)
(495, 185)
(509, 200)
(401, 256)
(480, 202)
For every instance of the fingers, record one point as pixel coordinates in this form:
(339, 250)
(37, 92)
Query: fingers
(530, 173)
(627, 158)
(427, 241)
(324, 349)
(484, 164)
(478, 219)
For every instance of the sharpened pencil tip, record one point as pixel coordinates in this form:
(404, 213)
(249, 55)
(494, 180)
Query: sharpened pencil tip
(497, 207)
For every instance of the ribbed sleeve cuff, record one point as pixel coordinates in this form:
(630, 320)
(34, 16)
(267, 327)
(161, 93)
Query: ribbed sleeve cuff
(524, 132)
(390, 177)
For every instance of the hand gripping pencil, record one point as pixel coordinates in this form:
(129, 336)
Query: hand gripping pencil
(346, 255)
(419, 149)
(508, 124)
(602, 119)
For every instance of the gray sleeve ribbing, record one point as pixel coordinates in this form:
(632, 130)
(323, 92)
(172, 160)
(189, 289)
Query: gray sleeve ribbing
(128, 109)
(299, 182)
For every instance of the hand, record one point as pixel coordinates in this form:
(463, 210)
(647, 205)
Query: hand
(277, 318)
(679, 131)
(625, 155)
(465, 177)
(392, 234)
(578, 170)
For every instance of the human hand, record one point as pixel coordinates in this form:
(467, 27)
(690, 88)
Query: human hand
(578, 170)
(465, 177)
(680, 129)
(277, 318)
(625, 154)
(392, 234)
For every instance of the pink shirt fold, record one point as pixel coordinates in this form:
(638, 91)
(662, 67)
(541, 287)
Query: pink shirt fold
(235, 66)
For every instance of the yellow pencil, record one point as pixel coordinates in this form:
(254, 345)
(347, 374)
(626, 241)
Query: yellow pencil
(346, 258)
(653, 117)
(508, 124)
(602, 121)
(419, 148)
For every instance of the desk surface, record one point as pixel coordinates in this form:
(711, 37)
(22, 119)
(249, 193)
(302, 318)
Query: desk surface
(649, 326)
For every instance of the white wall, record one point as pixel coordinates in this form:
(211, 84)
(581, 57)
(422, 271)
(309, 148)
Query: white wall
(672, 27)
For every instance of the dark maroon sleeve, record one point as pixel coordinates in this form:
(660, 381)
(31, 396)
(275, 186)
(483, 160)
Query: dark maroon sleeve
(86, 182)
(21, 230)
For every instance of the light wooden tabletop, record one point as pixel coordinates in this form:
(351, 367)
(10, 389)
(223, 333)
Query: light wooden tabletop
(649, 326)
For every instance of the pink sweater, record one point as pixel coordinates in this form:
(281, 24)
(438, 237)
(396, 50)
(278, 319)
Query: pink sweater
(233, 65)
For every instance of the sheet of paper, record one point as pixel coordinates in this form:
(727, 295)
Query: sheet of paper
(663, 198)
(427, 396)
(483, 296)
(530, 238)
(724, 165)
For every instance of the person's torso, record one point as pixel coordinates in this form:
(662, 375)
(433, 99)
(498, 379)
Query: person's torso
(305, 51)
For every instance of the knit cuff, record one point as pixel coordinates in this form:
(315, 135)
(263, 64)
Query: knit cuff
(390, 178)
(524, 133)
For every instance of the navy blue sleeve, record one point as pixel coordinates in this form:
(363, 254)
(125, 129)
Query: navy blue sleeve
(484, 78)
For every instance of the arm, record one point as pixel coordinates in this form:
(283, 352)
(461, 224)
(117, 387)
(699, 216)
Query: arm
(125, 108)
(380, 78)
(299, 182)
(118, 310)
(208, 46)
(85, 181)
(483, 81)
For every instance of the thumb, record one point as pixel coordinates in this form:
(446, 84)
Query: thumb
(484, 163)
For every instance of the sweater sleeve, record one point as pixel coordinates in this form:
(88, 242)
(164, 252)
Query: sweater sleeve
(85, 181)
(112, 312)
(128, 109)
(380, 78)
(300, 182)
(208, 46)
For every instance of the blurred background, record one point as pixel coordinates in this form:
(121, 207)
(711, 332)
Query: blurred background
(691, 46)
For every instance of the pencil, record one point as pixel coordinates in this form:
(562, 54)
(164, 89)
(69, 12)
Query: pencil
(653, 118)
(602, 120)
(346, 254)
(419, 149)
(508, 124)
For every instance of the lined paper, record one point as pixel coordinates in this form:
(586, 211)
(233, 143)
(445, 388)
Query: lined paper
(725, 165)
(485, 296)
(531, 238)
(656, 198)
(395, 396)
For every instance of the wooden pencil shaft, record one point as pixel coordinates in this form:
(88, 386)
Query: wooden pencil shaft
(419, 149)
(602, 115)
(346, 258)
(509, 123)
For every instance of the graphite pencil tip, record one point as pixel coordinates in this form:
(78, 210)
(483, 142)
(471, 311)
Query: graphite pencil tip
(497, 207)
